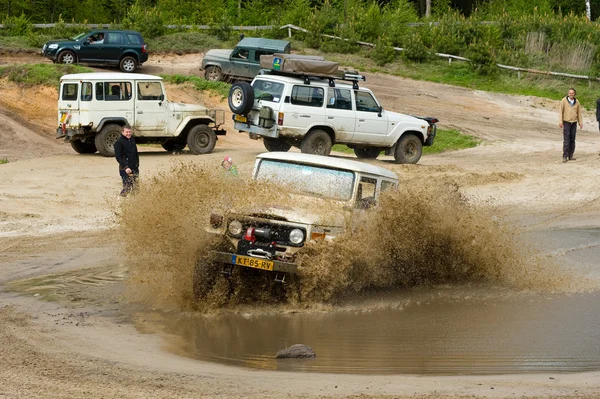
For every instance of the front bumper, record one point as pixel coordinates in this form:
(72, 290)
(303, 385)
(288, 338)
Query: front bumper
(230, 258)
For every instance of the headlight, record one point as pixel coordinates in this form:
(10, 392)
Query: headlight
(296, 236)
(235, 228)
(53, 46)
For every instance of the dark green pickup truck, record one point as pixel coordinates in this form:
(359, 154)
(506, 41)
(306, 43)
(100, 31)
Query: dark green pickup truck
(243, 62)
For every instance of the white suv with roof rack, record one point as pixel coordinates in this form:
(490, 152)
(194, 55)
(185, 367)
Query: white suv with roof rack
(306, 102)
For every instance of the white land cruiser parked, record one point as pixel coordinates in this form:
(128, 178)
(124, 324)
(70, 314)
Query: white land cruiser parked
(314, 110)
(92, 107)
(269, 237)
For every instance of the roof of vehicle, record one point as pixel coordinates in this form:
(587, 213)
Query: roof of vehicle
(267, 44)
(114, 30)
(109, 76)
(330, 162)
(317, 81)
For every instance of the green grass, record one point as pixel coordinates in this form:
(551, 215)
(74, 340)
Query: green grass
(445, 140)
(39, 74)
(220, 88)
(3, 161)
(15, 43)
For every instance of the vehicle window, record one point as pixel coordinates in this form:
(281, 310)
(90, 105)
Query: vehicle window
(365, 197)
(258, 53)
(96, 38)
(267, 91)
(339, 99)
(149, 90)
(308, 96)
(113, 91)
(69, 92)
(365, 102)
(114, 38)
(240, 53)
(386, 185)
(79, 36)
(86, 91)
(133, 38)
(308, 179)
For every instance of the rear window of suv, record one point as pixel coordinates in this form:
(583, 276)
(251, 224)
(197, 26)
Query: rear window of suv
(134, 39)
(267, 91)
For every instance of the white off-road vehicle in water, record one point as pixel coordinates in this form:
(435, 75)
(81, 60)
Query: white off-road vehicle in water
(269, 238)
(92, 107)
(307, 102)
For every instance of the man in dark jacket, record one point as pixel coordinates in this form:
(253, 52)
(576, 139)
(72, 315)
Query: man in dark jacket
(127, 156)
(598, 112)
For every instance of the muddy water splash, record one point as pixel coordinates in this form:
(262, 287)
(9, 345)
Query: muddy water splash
(421, 235)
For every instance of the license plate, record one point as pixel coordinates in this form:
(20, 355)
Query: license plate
(240, 118)
(63, 117)
(255, 263)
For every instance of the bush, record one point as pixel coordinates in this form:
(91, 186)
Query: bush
(415, 50)
(149, 22)
(384, 52)
(17, 26)
(483, 59)
(35, 39)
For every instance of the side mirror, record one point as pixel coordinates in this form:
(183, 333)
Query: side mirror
(161, 97)
(379, 111)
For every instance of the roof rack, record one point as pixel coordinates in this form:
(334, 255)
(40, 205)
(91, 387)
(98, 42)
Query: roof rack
(348, 76)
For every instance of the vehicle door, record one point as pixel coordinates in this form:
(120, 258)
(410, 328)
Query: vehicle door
(112, 99)
(113, 46)
(92, 48)
(241, 62)
(255, 67)
(150, 109)
(306, 108)
(339, 113)
(371, 124)
(68, 104)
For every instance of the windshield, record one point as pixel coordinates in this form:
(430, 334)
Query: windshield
(267, 91)
(79, 36)
(314, 180)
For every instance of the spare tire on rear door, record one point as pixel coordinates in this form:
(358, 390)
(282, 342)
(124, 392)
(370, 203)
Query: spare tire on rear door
(241, 98)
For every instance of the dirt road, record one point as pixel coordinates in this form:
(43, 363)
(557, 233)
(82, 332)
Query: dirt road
(57, 213)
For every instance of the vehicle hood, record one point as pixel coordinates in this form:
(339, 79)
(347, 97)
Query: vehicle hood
(217, 55)
(189, 108)
(329, 216)
(403, 118)
(57, 41)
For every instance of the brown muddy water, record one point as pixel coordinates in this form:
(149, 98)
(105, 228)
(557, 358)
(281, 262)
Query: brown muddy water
(448, 329)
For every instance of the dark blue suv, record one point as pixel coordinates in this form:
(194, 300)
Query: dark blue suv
(124, 48)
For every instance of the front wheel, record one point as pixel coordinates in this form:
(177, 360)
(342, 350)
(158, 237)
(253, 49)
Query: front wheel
(201, 139)
(272, 144)
(408, 149)
(316, 142)
(213, 73)
(67, 57)
(367, 152)
(105, 140)
(128, 64)
(83, 148)
(205, 275)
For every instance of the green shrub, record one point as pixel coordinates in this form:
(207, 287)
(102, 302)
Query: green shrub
(483, 59)
(149, 22)
(17, 26)
(415, 50)
(39, 74)
(384, 52)
(35, 39)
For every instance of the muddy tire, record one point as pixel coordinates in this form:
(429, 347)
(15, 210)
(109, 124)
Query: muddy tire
(241, 98)
(213, 73)
(272, 144)
(106, 139)
(316, 142)
(205, 275)
(128, 64)
(408, 149)
(173, 145)
(201, 140)
(83, 148)
(367, 152)
(67, 57)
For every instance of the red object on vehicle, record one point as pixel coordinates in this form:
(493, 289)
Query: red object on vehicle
(250, 234)
(144, 48)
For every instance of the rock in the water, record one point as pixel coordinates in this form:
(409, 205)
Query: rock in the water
(297, 351)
